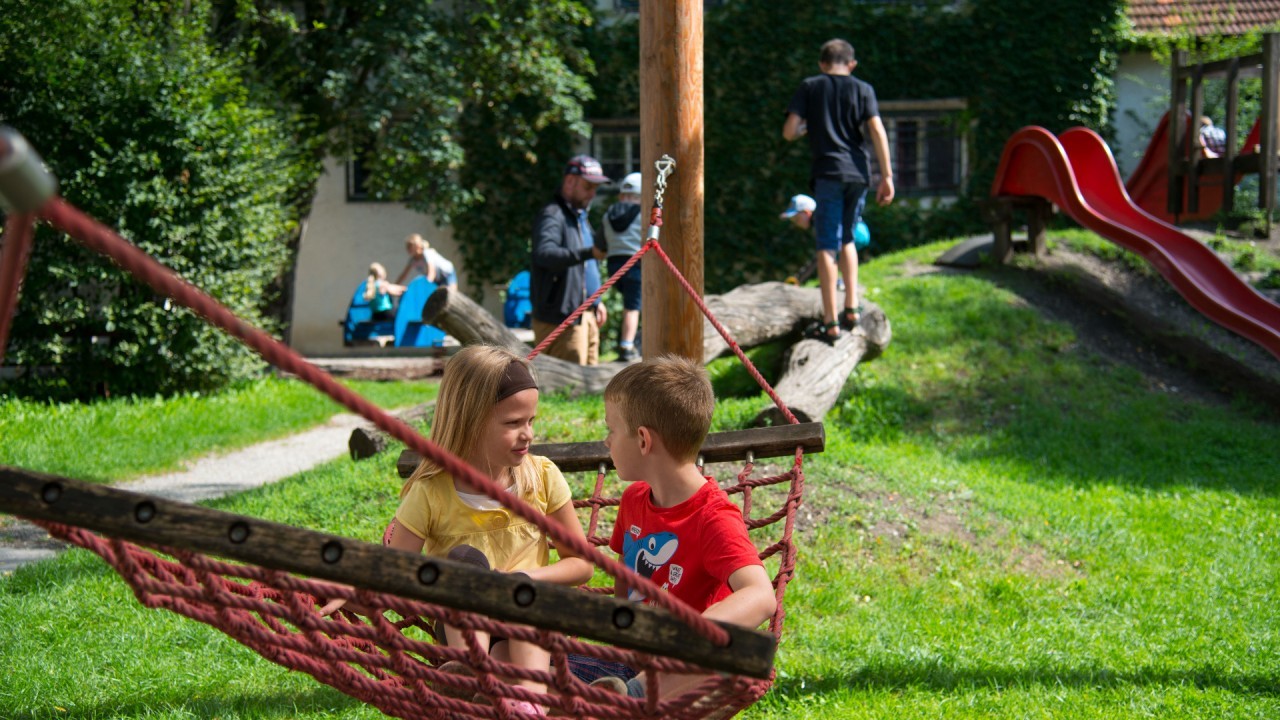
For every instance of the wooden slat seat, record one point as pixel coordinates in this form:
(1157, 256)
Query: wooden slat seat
(719, 447)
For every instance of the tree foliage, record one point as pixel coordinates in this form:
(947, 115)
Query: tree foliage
(464, 110)
(197, 128)
(151, 131)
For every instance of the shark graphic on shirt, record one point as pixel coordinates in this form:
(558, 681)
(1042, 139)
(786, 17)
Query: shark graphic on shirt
(648, 554)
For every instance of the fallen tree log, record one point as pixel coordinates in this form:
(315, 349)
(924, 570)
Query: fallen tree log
(816, 371)
(460, 316)
(754, 314)
(758, 314)
(365, 442)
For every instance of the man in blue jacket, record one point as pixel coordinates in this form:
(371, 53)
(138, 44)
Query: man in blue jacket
(563, 265)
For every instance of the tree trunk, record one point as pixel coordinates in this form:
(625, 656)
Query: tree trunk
(759, 314)
(753, 314)
(365, 442)
(816, 371)
(460, 316)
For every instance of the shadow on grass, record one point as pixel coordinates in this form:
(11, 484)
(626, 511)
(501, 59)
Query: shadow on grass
(950, 679)
(321, 700)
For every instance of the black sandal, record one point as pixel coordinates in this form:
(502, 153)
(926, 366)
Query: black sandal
(849, 317)
(819, 331)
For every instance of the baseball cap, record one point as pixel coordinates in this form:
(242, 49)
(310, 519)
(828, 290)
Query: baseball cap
(799, 204)
(630, 184)
(588, 167)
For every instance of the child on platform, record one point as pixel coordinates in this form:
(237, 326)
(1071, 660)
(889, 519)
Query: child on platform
(426, 260)
(484, 414)
(690, 538)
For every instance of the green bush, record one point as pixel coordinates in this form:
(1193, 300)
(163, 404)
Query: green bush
(154, 133)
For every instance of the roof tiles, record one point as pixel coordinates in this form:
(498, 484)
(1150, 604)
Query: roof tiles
(1202, 17)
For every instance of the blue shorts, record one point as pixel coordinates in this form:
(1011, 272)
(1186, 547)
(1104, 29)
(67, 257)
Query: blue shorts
(444, 278)
(588, 669)
(630, 284)
(839, 209)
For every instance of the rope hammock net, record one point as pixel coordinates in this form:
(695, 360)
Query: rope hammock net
(266, 590)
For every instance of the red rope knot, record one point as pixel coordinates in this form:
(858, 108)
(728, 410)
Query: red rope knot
(655, 216)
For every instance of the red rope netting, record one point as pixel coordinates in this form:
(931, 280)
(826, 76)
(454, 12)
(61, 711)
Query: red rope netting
(395, 665)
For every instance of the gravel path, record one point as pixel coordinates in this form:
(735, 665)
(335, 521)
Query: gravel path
(206, 478)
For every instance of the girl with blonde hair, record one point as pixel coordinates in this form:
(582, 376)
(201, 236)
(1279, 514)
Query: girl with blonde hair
(484, 414)
(378, 292)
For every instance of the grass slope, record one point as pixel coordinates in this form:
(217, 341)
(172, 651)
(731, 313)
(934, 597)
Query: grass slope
(1004, 525)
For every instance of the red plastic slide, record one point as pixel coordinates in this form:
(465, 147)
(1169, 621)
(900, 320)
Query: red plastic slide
(1149, 183)
(1078, 174)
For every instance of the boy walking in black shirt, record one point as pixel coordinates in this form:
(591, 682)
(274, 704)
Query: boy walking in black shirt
(832, 109)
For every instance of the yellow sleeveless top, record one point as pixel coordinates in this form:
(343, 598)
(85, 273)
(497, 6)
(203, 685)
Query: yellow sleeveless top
(433, 511)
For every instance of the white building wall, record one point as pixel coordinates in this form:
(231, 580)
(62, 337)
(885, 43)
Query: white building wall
(1142, 96)
(339, 241)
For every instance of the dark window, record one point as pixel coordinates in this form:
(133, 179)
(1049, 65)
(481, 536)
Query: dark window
(927, 144)
(904, 139)
(357, 181)
(616, 144)
(358, 173)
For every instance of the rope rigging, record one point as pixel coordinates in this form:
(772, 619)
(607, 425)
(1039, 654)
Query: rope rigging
(166, 550)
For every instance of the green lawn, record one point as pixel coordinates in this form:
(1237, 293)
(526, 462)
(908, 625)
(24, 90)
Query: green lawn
(1003, 525)
(123, 438)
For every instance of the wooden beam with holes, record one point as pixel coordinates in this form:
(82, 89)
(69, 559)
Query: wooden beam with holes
(730, 446)
(141, 518)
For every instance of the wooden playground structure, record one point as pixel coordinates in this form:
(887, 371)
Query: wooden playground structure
(1178, 180)
(1188, 165)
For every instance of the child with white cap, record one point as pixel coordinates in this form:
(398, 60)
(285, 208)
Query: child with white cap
(800, 211)
(623, 237)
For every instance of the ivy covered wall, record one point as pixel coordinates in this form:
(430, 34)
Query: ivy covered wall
(1018, 62)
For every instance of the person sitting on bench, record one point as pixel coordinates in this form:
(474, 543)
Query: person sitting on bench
(379, 293)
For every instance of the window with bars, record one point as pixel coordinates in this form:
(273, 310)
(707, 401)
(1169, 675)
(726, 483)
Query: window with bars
(616, 144)
(928, 144)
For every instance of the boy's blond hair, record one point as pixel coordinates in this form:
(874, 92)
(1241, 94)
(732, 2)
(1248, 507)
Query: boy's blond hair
(468, 394)
(671, 395)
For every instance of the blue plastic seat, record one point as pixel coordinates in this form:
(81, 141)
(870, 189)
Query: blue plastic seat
(410, 331)
(516, 309)
(359, 325)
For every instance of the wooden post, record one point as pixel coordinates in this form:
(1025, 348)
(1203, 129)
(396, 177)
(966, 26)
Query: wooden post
(1039, 212)
(671, 123)
(1232, 131)
(1177, 131)
(1270, 116)
(1195, 147)
(1002, 229)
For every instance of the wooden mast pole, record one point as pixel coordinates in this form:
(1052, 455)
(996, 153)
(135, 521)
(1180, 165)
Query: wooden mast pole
(671, 123)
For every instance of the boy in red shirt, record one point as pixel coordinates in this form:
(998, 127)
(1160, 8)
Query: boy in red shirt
(676, 526)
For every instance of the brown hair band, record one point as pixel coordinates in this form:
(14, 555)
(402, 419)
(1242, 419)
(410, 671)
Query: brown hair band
(516, 378)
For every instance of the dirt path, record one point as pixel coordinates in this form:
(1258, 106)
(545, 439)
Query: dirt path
(206, 478)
